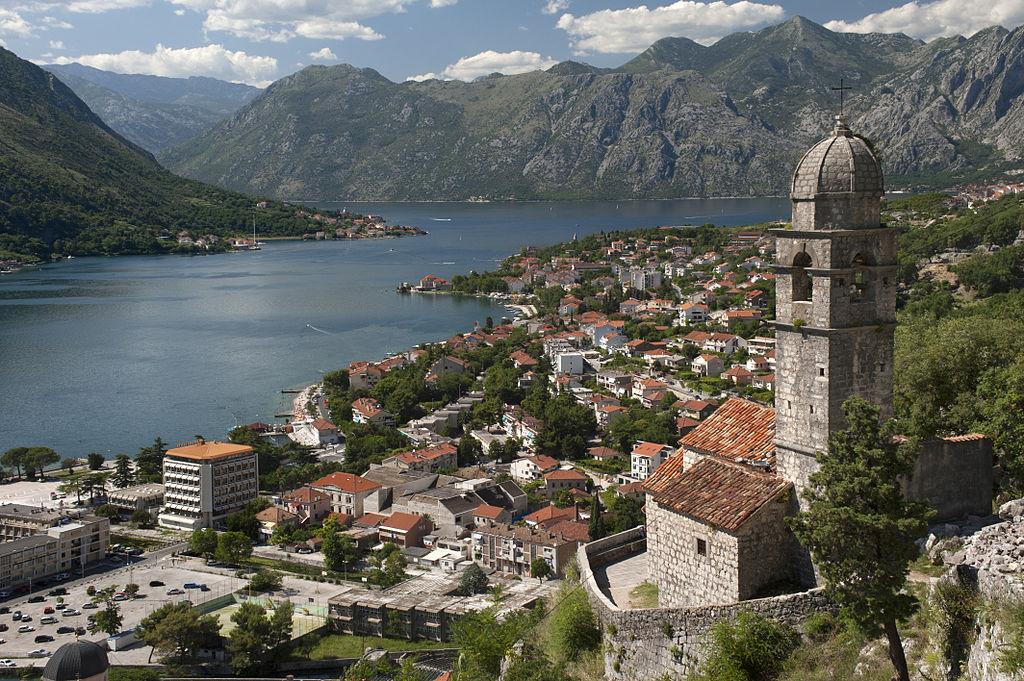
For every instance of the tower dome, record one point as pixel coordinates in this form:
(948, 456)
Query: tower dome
(80, 660)
(838, 184)
(841, 163)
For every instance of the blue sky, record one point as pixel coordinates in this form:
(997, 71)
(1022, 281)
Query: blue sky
(257, 41)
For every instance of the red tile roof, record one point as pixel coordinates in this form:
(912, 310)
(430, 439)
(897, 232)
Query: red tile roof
(551, 513)
(648, 449)
(428, 453)
(739, 429)
(323, 424)
(572, 530)
(544, 462)
(370, 519)
(571, 474)
(488, 511)
(403, 522)
(719, 493)
(346, 482)
(274, 514)
(603, 452)
(305, 494)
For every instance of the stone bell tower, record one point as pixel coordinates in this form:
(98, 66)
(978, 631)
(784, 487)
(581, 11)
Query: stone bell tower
(836, 299)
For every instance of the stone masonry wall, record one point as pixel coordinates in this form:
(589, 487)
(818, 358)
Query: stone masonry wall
(764, 555)
(954, 476)
(648, 644)
(684, 577)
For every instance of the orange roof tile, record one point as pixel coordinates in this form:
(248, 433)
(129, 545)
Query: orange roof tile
(648, 449)
(551, 513)
(488, 511)
(571, 474)
(739, 429)
(209, 451)
(403, 522)
(346, 482)
(719, 493)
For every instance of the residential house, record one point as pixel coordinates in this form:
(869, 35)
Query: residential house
(432, 459)
(308, 504)
(757, 363)
(707, 365)
(520, 425)
(521, 360)
(696, 409)
(363, 375)
(568, 363)
(607, 414)
(446, 365)
(756, 298)
(315, 432)
(726, 343)
(404, 529)
(485, 513)
(646, 457)
(738, 375)
(558, 480)
(347, 491)
(618, 383)
(532, 467)
(269, 519)
(549, 515)
(764, 382)
(569, 305)
(693, 313)
(434, 283)
(604, 454)
(368, 411)
(629, 306)
(515, 284)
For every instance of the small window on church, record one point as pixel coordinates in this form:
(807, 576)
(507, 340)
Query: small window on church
(702, 547)
(881, 366)
(812, 408)
(859, 288)
(821, 371)
(789, 405)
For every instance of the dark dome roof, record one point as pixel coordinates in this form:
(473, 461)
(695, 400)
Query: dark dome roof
(841, 163)
(78, 660)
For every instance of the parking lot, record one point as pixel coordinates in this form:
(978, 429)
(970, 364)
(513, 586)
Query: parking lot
(19, 644)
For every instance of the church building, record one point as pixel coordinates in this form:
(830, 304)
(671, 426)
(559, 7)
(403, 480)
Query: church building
(716, 510)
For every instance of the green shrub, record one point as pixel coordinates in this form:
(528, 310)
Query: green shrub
(749, 648)
(574, 628)
(820, 626)
(1011, 657)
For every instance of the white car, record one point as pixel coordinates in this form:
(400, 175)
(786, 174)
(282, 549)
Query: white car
(175, 592)
(7, 663)
(71, 612)
(39, 652)
(25, 628)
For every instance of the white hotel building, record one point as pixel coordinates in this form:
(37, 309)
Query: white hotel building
(205, 481)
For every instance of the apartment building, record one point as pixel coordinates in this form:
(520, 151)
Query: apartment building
(42, 543)
(147, 497)
(347, 492)
(205, 481)
(511, 549)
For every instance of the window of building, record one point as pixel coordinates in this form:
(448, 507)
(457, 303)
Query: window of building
(702, 547)
(860, 288)
(802, 285)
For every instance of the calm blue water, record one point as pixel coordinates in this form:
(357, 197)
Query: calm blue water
(104, 354)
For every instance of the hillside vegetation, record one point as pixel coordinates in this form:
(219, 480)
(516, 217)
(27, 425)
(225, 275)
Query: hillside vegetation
(71, 185)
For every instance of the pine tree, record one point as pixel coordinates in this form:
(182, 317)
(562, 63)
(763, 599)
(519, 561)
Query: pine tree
(123, 475)
(860, 529)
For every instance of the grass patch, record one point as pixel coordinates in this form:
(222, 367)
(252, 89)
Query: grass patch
(644, 596)
(305, 570)
(143, 543)
(925, 566)
(333, 646)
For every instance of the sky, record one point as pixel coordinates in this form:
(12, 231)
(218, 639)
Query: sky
(259, 41)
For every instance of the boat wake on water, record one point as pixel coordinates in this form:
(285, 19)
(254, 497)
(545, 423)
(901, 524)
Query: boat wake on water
(441, 219)
(326, 333)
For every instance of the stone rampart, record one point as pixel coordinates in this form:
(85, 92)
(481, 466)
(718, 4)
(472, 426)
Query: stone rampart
(655, 643)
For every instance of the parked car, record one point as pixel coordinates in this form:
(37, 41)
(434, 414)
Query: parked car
(7, 663)
(59, 591)
(71, 612)
(80, 631)
(4, 610)
(25, 628)
(63, 576)
(43, 638)
(304, 549)
(38, 599)
(48, 610)
(191, 585)
(135, 551)
(61, 606)
(156, 582)
(49, 619)
(39, 652)
(26, 618)
(3, 626)
(65, 630)
(16, 616)
(89, 606)
(175, 592)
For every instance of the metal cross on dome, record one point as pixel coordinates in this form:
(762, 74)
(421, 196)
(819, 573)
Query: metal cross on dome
(841, 89)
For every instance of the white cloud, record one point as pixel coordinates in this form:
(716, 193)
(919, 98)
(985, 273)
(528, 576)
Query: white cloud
(283, 20)
(56, 44)
(442, 3)
(488, 62)
(323, 54)
(179, 12)
(13, 24)
(929, 20)
(98, 6)
(633, 29)
(555, 6)
(209, 60)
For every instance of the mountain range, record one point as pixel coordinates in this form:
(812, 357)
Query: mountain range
(70, 184)
(681, 119)
(154, 112)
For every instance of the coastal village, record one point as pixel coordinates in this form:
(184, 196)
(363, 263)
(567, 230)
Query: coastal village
(636, 426)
